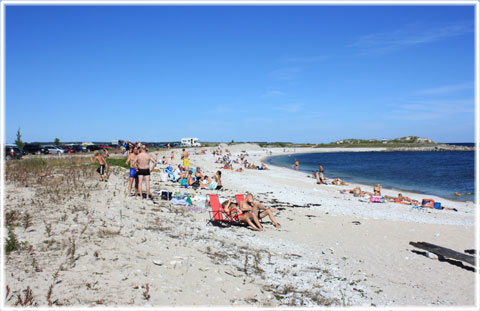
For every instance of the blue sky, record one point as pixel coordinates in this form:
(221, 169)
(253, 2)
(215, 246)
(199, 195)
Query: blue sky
(247, 73)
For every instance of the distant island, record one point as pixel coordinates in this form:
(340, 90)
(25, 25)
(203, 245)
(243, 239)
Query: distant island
(407, 143)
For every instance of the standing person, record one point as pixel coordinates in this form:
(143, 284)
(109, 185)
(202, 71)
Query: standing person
(186, 162)
(320, 177)
(102, 164)
(171, 157)
(168, 146)
(218, 179)
(142, 161)
(133, 172)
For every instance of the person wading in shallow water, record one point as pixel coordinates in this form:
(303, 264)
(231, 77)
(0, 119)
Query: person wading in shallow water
(142, 161)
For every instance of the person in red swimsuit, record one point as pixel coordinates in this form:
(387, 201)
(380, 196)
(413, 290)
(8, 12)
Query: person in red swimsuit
(231, 210)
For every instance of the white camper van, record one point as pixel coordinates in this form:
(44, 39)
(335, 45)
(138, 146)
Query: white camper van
(190, 142)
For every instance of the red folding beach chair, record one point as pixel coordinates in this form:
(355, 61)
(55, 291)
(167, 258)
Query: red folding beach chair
(217, 210)
(239, 198)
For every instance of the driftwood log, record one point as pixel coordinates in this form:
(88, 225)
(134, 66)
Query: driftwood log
(444, 252)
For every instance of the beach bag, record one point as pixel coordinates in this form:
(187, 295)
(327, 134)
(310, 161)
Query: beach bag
(164, 177)
(164, 195)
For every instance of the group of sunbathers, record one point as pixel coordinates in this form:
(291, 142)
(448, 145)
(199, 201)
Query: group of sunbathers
(250, 212)
(358, 192)
(198, 179)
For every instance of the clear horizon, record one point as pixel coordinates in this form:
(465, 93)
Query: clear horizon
(245, 73)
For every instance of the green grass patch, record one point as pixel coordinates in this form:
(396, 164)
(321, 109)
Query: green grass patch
(117, 162)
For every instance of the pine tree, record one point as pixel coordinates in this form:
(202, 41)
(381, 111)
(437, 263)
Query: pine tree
(19, 141)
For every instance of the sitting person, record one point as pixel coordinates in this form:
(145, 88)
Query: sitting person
(263, 166)
(234, 213)
(259, 211)
(190, 180)
(164, 160)
(198, 174)
(377, 190)
(205, 182)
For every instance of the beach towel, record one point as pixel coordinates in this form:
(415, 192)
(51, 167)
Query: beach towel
(376, 199)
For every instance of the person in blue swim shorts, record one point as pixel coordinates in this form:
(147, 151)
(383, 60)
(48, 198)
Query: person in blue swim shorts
(133, 171)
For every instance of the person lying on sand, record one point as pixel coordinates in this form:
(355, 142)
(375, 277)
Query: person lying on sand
(401, 199)
(259, 211)
(357, 192)
(339, 182)
(233, 212)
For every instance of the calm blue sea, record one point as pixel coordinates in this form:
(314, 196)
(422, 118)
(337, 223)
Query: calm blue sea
(436, 173)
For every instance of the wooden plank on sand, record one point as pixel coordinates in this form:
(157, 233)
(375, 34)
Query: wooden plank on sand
(444, 252)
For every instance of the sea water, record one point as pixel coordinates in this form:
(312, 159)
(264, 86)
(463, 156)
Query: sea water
(436, 173)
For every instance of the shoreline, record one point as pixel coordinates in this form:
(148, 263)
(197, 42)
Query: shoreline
(361, 184)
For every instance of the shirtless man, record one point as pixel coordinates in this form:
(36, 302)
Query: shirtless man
(142, 161)
(133, 171)
(259, 211)
(102, 164)
(186, 162)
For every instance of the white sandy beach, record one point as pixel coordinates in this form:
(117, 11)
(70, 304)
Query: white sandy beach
(332, 248)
